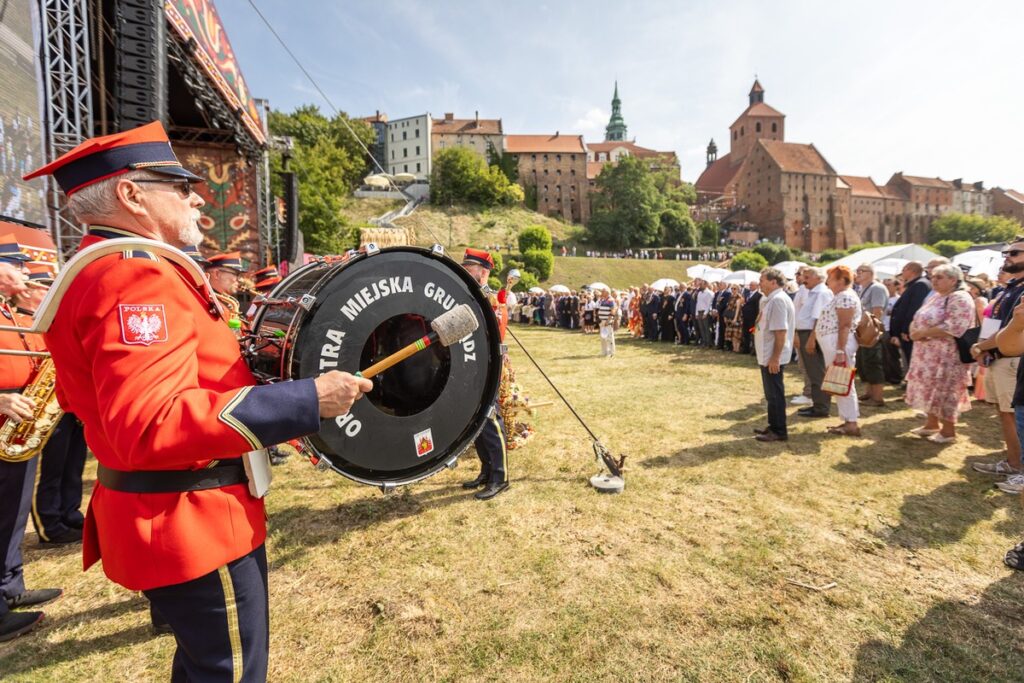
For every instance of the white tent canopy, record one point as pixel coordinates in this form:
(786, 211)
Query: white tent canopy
(789, 268)
(909, 252)
(987, 261)
(715, 274)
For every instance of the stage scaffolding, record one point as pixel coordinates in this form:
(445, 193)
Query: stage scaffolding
(67, 100)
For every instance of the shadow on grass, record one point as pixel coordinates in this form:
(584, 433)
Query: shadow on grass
(955, 640)
(34, 652)
(747, 447)
(331, 525)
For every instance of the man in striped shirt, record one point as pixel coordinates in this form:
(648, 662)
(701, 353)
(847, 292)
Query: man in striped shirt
(606, 312)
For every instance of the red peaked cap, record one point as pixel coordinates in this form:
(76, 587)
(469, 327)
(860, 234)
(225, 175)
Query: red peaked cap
(144, 148)
(478, 257)
(231, 261)
(266, 277)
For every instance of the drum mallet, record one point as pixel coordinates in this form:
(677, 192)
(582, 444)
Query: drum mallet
(448, 329)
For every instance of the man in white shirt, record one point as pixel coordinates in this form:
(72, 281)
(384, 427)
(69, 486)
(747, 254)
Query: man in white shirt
(705, 297)
(773, 342)
(818, 297)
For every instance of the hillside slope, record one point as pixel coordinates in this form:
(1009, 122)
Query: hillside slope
(614, 272)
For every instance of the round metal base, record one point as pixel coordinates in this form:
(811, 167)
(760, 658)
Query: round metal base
(607, 483)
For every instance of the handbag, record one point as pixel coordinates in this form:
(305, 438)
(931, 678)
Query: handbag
(869, 330)
(966, 340)
(838, 380)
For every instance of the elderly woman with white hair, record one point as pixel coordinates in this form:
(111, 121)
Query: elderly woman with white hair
(937, 382)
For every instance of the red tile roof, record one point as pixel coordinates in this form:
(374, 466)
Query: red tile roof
(1013, 194)
(890, 192)
(519, 144)
(920, 181)
(794, 157)
(594, 168)
(862, 186)
(447, 126)
(757, 86)
(758, 109)
(717, 176)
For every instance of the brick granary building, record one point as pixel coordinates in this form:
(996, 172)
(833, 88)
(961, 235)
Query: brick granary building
(555, 167)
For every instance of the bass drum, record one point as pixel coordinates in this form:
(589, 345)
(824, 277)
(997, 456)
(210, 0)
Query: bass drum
(422, 413)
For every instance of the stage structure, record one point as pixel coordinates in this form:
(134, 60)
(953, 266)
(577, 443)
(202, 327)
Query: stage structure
(108, 65)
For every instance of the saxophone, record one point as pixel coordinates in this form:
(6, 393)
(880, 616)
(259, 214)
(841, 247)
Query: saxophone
(25, 440)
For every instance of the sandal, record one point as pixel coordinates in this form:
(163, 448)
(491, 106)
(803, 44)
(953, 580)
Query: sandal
(1014, 558)
(923, 432)
(843, 430)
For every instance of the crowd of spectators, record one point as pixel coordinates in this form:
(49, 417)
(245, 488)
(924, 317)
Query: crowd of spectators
(945, 340)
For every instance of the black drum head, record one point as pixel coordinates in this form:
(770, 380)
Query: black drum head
(423, 413)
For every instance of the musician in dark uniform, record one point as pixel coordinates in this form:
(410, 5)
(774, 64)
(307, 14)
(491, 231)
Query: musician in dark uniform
(56, 513)
(491, 445)
(17, 479)
(145, 360)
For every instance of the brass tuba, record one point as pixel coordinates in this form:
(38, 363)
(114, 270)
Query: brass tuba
(24, 440)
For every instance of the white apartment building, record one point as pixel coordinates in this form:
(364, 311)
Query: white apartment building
(408, 146)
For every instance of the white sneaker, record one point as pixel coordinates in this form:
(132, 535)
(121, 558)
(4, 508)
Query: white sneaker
(1014, 484)
(801, 400)
(1002, 467)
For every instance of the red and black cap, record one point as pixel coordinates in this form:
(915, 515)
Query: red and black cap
(144, 148)
(266, 277)
(478, 257)
(230, 261)
(196, 255)
(10, 251)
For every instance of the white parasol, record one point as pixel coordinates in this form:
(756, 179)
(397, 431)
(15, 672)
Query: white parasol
(536, 290)
(598, 286)
(742, 277)
(560, 289)
(789, 268)
(664, 282)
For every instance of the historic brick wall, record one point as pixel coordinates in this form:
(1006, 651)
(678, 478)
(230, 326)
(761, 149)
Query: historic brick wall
(561, 182)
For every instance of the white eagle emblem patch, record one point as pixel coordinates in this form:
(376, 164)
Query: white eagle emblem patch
(143, 323)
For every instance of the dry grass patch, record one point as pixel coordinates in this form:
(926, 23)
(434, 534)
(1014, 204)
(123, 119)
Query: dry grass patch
(683, 577)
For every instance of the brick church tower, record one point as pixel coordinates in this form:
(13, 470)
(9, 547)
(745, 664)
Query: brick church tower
(758, 121)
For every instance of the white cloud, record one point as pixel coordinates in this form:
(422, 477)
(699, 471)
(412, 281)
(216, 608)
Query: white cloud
(593, 121)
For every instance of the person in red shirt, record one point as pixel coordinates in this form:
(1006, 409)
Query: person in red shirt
(17, 479)
(147, 363)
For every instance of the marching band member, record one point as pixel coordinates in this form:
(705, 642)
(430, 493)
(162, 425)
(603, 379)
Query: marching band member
(56, 513)
(490, 445)
(265, 279)
(17, 479)
(144, 359)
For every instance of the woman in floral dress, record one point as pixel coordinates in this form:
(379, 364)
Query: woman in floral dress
(937, 380)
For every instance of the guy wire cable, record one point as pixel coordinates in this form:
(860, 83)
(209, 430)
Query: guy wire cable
(337, 112)
(599, 449)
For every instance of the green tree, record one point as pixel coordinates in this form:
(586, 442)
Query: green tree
(707, 231)
(328, 162)
(973, 228)
(677, 228)
(830, 255)
(950, 248)
(534, 237)
(527, 281)
(460, 176)
(540, 263)
(506, 163)
(627, 206)
(748, 260)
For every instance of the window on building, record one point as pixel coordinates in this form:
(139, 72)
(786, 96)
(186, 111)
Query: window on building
(734, 136)
(741, 130)
(757, 127)
(775, 127)
(417, 150)
(545, 157)
(417, 167)
(405, 151)
(417, 132)
(407, 168)
(405, 135)
(533, 157)
(392, 155)
(558, 157)
(558, 172)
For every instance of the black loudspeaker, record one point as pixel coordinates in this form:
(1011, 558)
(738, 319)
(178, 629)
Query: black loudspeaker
(290, 238)
(140, 90)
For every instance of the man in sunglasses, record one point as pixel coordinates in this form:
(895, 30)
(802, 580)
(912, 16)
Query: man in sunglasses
(1001, 378)
(145, 360)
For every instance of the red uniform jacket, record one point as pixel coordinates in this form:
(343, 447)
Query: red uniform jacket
(145, 361)
(16, 371)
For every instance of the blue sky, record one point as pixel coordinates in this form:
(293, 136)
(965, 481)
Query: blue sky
(929, 88)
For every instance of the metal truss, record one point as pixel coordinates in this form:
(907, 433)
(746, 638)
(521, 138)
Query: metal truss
(67, 100)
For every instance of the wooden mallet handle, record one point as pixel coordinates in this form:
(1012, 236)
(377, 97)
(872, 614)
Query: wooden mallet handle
(456, 324)
(398, 356)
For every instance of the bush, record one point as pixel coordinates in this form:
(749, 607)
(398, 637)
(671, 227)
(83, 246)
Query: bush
(534, 238)
(460, 176)
(494, 283)
(528, 280)
(708, 233)
(863, 245)
(950, 248)
(748, 260)
(829, 255)
(540, 263)
(678, 228)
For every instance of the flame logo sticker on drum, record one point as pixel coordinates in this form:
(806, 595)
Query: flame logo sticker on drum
(424, 442)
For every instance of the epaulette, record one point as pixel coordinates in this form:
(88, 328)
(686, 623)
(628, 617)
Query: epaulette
(139, 253)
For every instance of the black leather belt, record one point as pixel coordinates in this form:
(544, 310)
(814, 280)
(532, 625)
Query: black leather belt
(224, 473)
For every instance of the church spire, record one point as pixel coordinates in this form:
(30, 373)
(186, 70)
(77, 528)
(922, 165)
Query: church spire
(616, 129)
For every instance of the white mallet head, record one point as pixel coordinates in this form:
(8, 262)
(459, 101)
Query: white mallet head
(454, 325)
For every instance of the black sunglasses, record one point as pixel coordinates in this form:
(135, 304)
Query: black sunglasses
(1013, 252)
(183, 185)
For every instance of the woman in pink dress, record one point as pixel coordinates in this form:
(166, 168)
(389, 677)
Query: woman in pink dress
(937, 380)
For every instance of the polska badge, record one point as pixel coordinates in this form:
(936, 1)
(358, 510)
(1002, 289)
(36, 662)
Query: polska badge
(424, 442)
(143, 323)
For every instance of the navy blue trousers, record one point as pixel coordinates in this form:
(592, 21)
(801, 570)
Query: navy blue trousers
(55, 508)
(221, 622)
(490, 448)
(775, 393)
(16, 482)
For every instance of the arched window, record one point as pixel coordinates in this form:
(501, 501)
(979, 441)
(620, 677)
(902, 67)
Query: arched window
(775, 127)
(757, 127)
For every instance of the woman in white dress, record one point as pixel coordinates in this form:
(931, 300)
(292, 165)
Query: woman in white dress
(834, 333)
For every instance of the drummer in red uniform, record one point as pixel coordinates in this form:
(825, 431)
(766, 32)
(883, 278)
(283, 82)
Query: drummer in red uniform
(490, 445)
(146, 362)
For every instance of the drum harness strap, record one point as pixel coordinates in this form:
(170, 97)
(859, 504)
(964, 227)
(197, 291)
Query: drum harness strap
(614, 465)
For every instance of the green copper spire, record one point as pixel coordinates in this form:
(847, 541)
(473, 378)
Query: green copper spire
(616, 129)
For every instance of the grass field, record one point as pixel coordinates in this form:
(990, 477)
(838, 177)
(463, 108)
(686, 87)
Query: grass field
(683, 577)
(576, 271)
